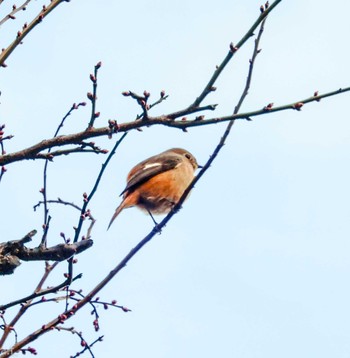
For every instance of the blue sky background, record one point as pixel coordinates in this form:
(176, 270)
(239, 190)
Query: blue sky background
(256, 264)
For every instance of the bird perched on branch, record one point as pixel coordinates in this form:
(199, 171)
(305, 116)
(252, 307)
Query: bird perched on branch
(156, 184)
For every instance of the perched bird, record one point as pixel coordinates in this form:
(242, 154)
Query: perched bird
(156, 184)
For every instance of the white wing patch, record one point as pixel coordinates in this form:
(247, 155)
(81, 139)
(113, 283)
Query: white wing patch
(151, 165)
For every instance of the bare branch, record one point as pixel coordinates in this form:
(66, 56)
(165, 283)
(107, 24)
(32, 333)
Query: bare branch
(15, 9)
(58, 201)
(13, 251)
(59, 252)
(166, 120)
(93, 96)
(27, 29)
(26, 303)
(233, 49)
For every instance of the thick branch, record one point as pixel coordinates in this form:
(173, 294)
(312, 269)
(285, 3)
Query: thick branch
(166, 120)
(12, 252)
(59, 252)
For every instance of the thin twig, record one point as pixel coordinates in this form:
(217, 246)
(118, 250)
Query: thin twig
(99, 177)
(93, 96)
(24, 307)
(58, 153)
(233, 49)
(27, 29)
(15, 9)
(58, 201)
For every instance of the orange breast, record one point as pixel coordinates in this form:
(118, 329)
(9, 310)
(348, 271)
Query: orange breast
(159, 194)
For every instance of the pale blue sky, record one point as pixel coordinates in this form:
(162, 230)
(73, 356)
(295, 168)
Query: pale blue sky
(256, 265)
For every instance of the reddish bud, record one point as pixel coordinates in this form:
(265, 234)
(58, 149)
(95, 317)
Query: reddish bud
(14, 7)
(96, 325)
(146, 94)
(92, 78)
(97, 114)
(32, 350)
(11, 17)
(268, 107)
(75, 261)
(125, 309)
(90, 96)
(162, 94)
(114, 302)
(233, 48)
(315, 95)
(83, 343)
(3, 169)
(298, 106)
(98, 65)
(262, 9)
(62, 317)
(126, 93)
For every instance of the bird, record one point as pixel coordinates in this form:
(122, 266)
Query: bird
(156, 184)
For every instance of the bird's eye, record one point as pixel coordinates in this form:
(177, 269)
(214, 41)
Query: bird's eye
(188, 156)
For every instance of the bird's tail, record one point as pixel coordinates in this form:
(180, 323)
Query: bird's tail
(116, 213)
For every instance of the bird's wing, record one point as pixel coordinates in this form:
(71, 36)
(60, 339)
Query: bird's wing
(148, 169)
